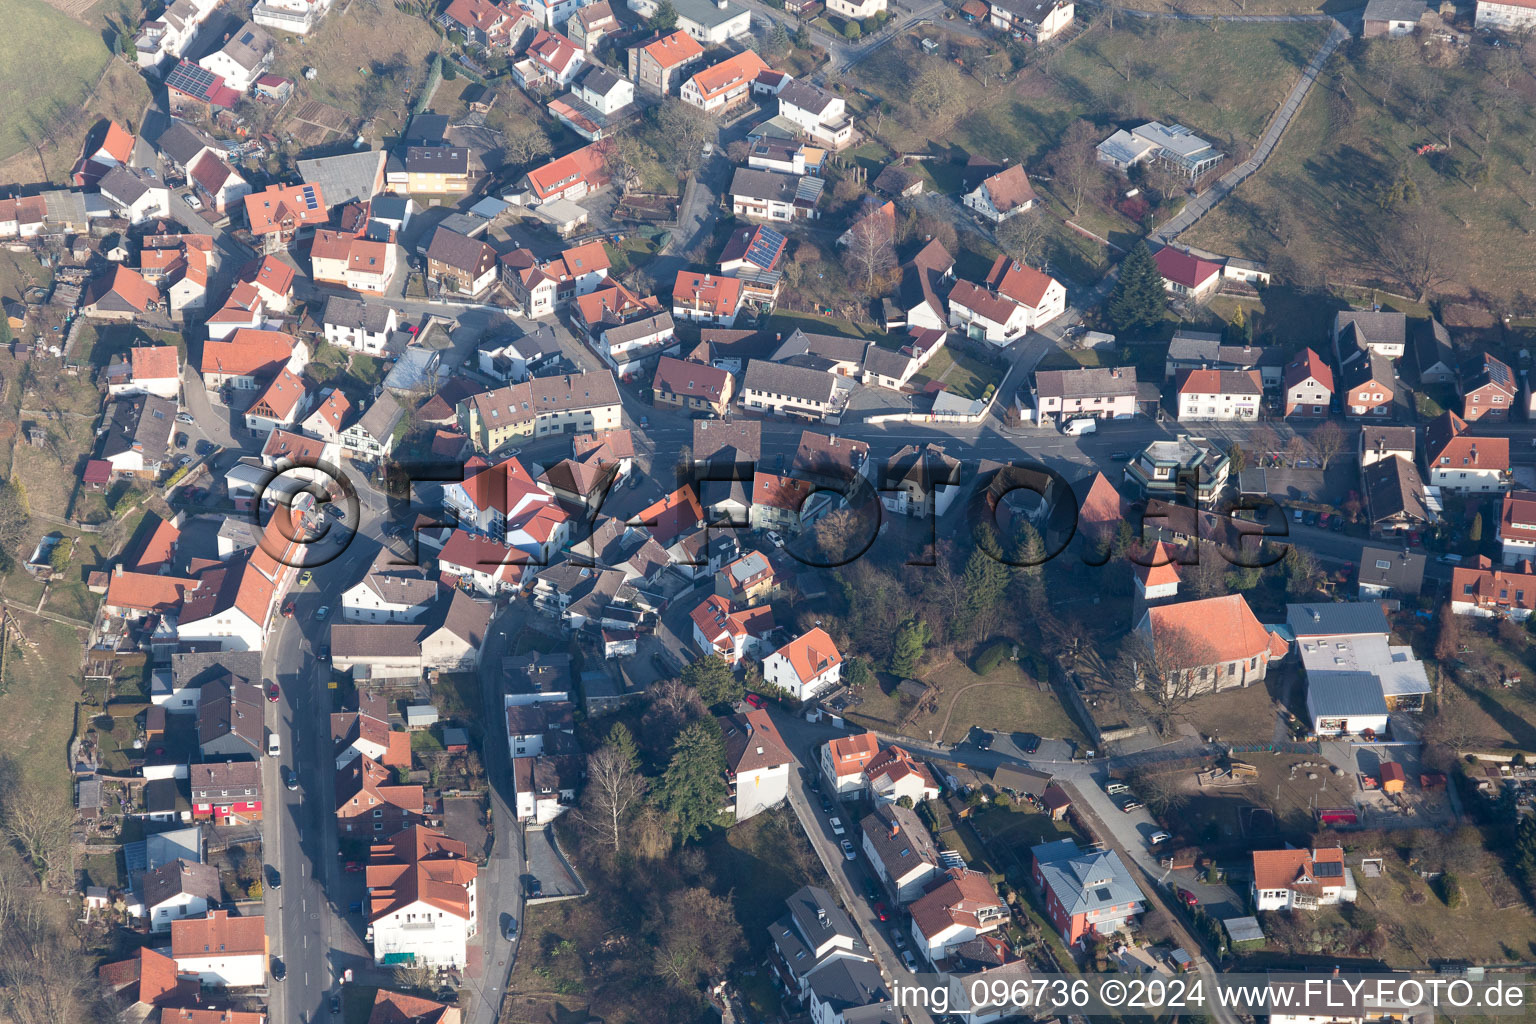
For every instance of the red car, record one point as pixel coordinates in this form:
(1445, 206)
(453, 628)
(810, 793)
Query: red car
(352, 866)
(755, 701)
(273, 693)
(288, 610)
(1189, 898)
(881, 912)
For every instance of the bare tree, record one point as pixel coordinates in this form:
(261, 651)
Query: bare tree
(1075, 164)
(38, 823)
(413, 977)
(1022, 237)
(44, 978)
(1171, 671)
(871, 249)
(1413, 249)
(524, 146)
(687, 128)
(621, 158)
(1328, 441)
(938, 97)
(614, 789)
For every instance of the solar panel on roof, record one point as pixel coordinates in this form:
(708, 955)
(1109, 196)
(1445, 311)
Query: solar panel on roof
(192, 78)
(1328, 869)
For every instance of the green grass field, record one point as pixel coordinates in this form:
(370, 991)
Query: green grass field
(47, 61)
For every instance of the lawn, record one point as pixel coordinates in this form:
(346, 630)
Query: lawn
(1316, 202)
(1225, 84)
(786, 322)
(121, 96)
(74, 55)
(960, 374)
(37, 696)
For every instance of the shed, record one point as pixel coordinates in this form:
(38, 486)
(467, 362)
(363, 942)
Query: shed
(1022, 781)
(930, 46)
(1432, 780)
(912, 690)
(97, 897)
(98, 473)
(88, 797)
(1392, 777)
(1056, 801)
(1244, 929)
(455, 739)
(419, 716)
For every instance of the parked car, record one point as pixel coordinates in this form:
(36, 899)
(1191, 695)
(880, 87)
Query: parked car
(352, 866)
(755, 701)
(1189, 898)
(897, 939)
(910, 960)
(323, 653)
(1120, 456)
(290, 778)
(185, 460)
(826, 806)
(774, 539)
(1131, 805)
(306, 578)
(881, 912)
(273, 693)
(837, 827)
(848, 850)
(871, 890)
(185, 417)
(206, 447)
(323, 613)
(279, 971)
(510, 931)
(193, 201)
(1116, 788)
(274, 877)
(181, 440)
(1158, 837)
(335, 1004)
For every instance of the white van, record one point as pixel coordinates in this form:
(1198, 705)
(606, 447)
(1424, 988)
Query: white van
(1080, 426)
(1116, 788)
(274, 746)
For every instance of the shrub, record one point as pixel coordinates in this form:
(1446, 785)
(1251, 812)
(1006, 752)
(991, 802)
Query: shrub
(1450, 891)
(991, 657)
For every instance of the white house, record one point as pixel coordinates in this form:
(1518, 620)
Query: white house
(963, 906)
(857, 10)
(179, 889)
(221, 951)
(1458, 461)
(1515, 15)
(818, 113)
(1517, 527)
(421, 899)
(731, 635)
(894, 774)
(807, 665)
(1224, 395)
(757, 763)
(390, 593)
(844, 759)
(136, 197)
(901, 849)
(358, 325)
(1003, 195)
(245, 57)
(280, 405)
(1301, 879)
(545, 787)
(486, 566)
(152, 369)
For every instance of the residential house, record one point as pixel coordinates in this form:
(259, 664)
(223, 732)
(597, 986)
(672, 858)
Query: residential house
(847, 991)
(1308, 386)
(857, 10)
(390, 593)
(919, 301)
(551, 61)
(747, 581)
(580, 402)
(371, 437)
(1187, 275)
(165, 38)
(1395, 500)
(1389, 18)
(960, 904)
(764, 195)
(545, 786)
(1100, 392)
(135, 195)
(894, 774)
(421, 899)
(815, 932)
(152, 370)
(657, 66)
(107, 145)
(1481, 590)
(1488, 389)
(482, 22)
(461, 264)
(806, 666)
(711, 22)
(1186, 467)
(571, 176)
(778, 502)
(1505, 15)
(1213, 643)
(901, 850)
(758, 764)
(1173, 145)
(136, 435)
(1376, 330)
(1459, 462)
(246, 55)
(133, 595)
(789, 390)
(1041, 296)
(1378, 443)
(397, 1008)
(831, 462)
(504, 502)
(696, 387)
(598, 102)
(177, 890)
(119, 294)
(1367, 382)
(364, 731)
(220, 182)
(706, 298)
(1087, 892)
(370, 803)
(356, 179)
(1355, 675)
(277, 213)
(590, 24)
(1201, 350)
(921, 482)
(844, 759)
(358, 325)
(1301, 879)
(724, 86)
(235, 599)
(1433, 355)
(220, 951)
(1003, 195)
(820, 115)
(1041, 20)
(1390, 573)
(280, 405)
(192, 89)
(1517, 527)
(225, 792)
(730, 633)
(1225, 395)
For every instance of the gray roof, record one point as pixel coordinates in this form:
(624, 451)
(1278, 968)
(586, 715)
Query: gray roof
(829, 348)
(197, 668)
(248, 45)
(845, 983)
(636, 329)
(346, 178)
(1336, 618)
(705, 13)
(1395, 10)
(765, 185)
(903, 849)
(1020, 780)
(1394, 490)
(1376, 327)
(181, 143)
(598, 79)
(460, 251)
(741, 439)
(141, 422)
(178, 877)
(1085, 880)
(1091, 382)
(1432, 346)
(123, 185)
(1337, 694)
(356, 314)
(805, 96)
(795, 381)
(817, 916)
(1175, 138)
(1402, 572)
(437, 160)
(380, 418)
(1244, 929)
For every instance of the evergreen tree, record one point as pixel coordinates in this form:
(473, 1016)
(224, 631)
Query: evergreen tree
(1139, 300)
(1240, 330)
(623, 743)
(693, 786)
(778, 40)
(985, 580)
(1028, 557)
(714, 680)
(665, 18)
(912, 639)
(1475, 534)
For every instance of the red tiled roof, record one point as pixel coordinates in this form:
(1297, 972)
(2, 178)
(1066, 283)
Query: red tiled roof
(147, 592)
(957, 900)
(588, 258)
(1517, 517)
(1159, 569)
(1192, 634)
(333, 408)
(732, 72)
(1309, 366)
(419, 864)
(158, 546)
(782, 492)
(247, 352)
(126, 283)
(552, 50)
(296, 448)
(691, 380)
(218, 932)
(271, 273)
(397, 1008)
(155, 362)
(811, 654)
(1018, 281)
(266, 211)
(1483, 586)
(282, 396)
(1010, 188)
(1221, 382)
(981, 301)
(706, 291)
(117, 143)
(850, 754)
(672, 516)
(560, 173)
(1447, 446)
(1102, 504)
(1284, 869)
(1183, 268)
(674, 50)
